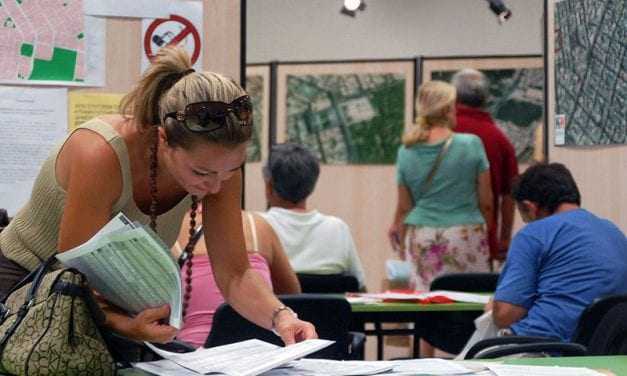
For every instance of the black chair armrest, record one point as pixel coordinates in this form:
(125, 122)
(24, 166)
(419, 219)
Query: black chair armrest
(561, 348)
(498, 341)
(357, 346)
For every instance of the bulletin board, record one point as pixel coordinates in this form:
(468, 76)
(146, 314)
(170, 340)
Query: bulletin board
(220, 37)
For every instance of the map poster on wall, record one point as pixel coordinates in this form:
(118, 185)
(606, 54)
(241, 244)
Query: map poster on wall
(347, 113)
(50, 42)
(258, 88)
(590, 79)
(516, 101)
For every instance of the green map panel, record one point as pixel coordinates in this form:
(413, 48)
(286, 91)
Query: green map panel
(347, 118)
(590, 63)
(60, 67)
(516, 104)
(255, 89)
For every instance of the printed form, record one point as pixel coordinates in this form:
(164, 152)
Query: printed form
(246, 358)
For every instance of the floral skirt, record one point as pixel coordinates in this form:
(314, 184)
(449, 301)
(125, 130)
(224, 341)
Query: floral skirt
(442, 250)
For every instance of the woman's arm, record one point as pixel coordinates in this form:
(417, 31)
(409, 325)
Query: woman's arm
(89, 171)
(396, 233)
(484, 193)
(241, 286)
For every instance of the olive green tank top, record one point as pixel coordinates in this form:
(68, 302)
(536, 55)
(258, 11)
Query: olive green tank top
(33, 234)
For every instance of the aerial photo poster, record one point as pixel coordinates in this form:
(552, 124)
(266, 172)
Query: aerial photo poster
(590, 79)
(516, 96)
(347, 113)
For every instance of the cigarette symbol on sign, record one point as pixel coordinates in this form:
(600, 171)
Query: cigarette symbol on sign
(169, 38)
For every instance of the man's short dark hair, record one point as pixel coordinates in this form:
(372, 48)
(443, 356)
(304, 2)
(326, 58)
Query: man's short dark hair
(293, 171)
(547, 185)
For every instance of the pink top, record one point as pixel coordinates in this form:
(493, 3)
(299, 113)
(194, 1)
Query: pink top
(206, 296)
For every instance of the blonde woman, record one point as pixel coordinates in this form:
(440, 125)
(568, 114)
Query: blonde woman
(444, 194)
(180, 138)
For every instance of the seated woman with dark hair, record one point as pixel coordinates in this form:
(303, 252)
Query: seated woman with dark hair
(202, 295)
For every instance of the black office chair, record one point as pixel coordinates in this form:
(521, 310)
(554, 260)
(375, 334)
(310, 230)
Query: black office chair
(602, 327)
(327, 283)
(331, 316)
(449, 331)
(493, 348)
(601, 330)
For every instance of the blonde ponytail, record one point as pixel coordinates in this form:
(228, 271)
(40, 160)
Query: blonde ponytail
(142, 102)
(435, 100)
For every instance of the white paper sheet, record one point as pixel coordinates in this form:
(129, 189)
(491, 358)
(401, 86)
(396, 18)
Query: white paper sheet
(430, 366)
(339, 368)
(131, 9)
(512, 370)
(32, 123)
(246, 358)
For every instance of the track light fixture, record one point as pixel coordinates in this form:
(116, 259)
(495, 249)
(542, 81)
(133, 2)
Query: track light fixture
(351, 7)
(502, 12)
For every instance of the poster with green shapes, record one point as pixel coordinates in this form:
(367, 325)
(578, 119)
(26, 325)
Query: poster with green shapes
(254, 86)
(350, 113)
(516, 100)
(45, 42)
(258, 88)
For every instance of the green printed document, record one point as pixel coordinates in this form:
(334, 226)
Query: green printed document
(130, 266)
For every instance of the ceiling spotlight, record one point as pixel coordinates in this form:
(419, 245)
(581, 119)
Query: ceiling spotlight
(502, 12)
(351, 7)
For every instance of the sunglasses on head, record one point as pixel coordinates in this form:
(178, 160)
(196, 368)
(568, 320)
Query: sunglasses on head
(210, 116)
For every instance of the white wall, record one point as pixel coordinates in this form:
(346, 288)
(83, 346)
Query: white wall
(288, 30)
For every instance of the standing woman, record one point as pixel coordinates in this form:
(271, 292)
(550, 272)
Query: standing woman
(181, 137)
(444, 194)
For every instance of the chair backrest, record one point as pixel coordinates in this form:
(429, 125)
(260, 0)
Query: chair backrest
(331, 316)
(592, 315)
(327, 283)
(466, 282)
(602, 326)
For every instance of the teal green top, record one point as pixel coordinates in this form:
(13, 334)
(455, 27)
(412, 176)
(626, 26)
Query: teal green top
(451, 199)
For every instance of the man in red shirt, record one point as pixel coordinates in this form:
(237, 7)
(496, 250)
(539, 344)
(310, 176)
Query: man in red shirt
(472, 96)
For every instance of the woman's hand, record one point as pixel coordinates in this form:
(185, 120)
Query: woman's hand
(147, 326)
(396, 236)
(292, 330)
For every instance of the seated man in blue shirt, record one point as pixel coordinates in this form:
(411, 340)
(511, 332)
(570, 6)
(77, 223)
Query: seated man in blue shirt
(558, 263)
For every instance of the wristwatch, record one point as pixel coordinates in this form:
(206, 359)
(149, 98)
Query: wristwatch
(276, 312)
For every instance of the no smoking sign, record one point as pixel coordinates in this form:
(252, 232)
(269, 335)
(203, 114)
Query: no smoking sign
(176, 30)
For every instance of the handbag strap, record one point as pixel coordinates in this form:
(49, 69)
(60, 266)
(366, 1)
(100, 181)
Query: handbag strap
(438, 160)
(36, 276)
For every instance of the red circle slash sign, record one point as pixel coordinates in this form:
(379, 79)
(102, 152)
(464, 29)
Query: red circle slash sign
(188, 28)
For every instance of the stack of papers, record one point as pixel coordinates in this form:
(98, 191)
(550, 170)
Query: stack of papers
(417, 296)
(246, 358)
(130, 266)
(254, 357)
